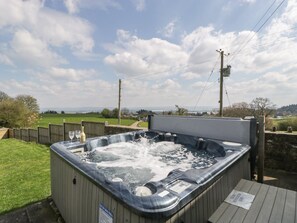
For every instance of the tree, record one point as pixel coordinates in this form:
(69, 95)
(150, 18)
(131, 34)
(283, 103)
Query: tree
(29, 102)
(22, 111)
(12, 113)
(114, 113)
(262, 106)
(240, 110)
(125, 111)
(105, 113)
(180, 110)
(3, 96)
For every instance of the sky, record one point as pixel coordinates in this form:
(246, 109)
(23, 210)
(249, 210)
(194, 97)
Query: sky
(72, 53)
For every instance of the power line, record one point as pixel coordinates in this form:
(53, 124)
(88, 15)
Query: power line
(206, 84)
(245, 44)
(172, 69)
(271, 43)
(227, 94)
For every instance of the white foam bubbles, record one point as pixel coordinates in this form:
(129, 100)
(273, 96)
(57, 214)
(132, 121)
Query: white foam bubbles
(143, 161)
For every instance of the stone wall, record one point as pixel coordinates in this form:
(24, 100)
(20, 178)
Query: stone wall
(281, 151)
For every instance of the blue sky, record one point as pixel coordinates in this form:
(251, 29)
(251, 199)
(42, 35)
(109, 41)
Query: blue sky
(72, 53)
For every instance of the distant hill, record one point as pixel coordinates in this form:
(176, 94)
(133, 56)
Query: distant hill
(287, 110)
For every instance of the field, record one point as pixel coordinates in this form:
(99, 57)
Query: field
(45, 119)
(24, 173)
(282, 124)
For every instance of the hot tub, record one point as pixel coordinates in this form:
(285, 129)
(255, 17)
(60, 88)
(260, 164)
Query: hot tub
(145, 176)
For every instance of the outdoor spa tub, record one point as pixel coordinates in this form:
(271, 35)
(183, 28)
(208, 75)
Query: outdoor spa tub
(147, 176)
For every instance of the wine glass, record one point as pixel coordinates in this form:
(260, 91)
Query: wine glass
(77, 134)
(71, 135)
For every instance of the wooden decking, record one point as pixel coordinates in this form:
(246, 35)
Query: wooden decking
(271, 204)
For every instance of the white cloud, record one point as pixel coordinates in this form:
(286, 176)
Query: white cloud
(190, 75)
(139, 5)
(15, 12)
(248, 1)
(144, 93)
(58, 93)
(29, 49)
(71, 74)
(4, 59)
(262, 63)
(55, 28)
(72, 6)
(169, 29)
(59, 29)
(134, 56)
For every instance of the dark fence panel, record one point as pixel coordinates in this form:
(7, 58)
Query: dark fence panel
(93, 129)
(33, 135)
(56, 133)
(24, 135)
(70, 127)
(17, 133)
(43, 136)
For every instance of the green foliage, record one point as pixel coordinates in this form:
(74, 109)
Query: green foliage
(3, 96)
(143, 124)
(29, 102)
(114, 113)
(283, 124)
(24, 173)
(21, 111)
(106, 113)
(180, 110)
(12, 113)
(50, 112)
(144, 113)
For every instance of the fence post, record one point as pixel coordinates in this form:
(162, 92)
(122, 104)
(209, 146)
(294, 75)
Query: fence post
(64, 135)
(261, 148)
(49, 133)
(38, 135)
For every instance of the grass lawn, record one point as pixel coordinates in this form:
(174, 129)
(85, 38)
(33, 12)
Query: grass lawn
(24, 173)
(143, 124)
(45, 119)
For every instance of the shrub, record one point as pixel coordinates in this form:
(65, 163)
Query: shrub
(283, 125)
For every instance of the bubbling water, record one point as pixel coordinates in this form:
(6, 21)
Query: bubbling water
(138, 162)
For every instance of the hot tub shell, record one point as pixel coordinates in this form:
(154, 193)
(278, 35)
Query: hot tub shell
(82, 196)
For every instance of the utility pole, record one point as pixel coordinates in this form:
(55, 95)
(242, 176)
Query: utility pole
(119, 104)
(221, 81)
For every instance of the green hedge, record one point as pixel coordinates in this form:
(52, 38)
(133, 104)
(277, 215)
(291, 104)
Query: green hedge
(282, 125)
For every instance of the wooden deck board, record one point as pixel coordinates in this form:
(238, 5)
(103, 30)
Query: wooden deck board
(267, 205)
(271, 204)
(290, 207)
(224, 205)
(258, 202)
(241, 213)
(233, 210)
(278, 208)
